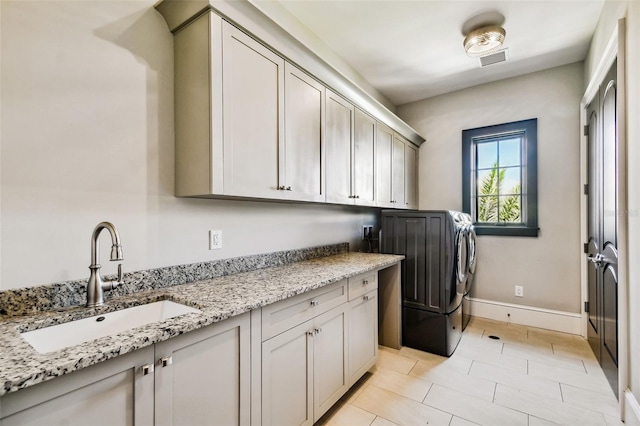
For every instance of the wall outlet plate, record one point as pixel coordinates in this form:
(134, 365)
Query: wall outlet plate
(367, 232)
(215, 239)
(519, 291)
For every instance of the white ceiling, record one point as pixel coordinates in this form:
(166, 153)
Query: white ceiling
(412, 50)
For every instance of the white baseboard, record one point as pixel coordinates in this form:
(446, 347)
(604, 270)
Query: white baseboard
(566, 322)
(631, 409)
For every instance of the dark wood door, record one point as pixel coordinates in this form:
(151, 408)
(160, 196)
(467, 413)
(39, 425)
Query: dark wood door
(603, 228)
(593, 306)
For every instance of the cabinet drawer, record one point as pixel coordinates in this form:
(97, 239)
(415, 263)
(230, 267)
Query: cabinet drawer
(363, 283)
(288, 313)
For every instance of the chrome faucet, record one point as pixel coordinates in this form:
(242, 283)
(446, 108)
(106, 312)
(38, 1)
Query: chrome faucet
(96, 286)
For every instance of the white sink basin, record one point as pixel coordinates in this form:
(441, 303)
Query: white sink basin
(73, 333)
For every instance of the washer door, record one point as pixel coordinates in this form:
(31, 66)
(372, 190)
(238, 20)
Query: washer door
(462, 260)
(472, 253)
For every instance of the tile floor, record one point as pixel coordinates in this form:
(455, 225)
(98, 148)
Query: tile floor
(530, 377)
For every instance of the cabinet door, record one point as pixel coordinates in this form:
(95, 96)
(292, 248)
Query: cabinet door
(363, 335)
(411, 176)
(304, 143)
(330, 370)
(339, 143)
(113, 392)
(397, 174)
(364, 159)
(253, 90)
(287, 377)
(203, 377)
(384, 144)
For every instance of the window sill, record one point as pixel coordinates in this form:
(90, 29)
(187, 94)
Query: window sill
(506, 231)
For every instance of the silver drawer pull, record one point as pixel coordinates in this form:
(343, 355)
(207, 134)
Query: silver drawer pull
(317, 331)
(365, 298)
(314, 302)
(167, 360)
(365, 282)
(147, 369)
(310, 333)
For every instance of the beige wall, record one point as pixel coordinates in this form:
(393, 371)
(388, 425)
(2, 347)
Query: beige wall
(548, 266)
(87, 135)
(612, 11)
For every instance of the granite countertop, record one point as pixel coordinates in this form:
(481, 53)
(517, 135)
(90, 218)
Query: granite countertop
(218, 298)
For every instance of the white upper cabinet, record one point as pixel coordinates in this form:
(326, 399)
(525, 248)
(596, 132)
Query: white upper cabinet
(251, 125)
(384, 146)
(397, 173)
(339, 144)
(363, 182)
(303, 143)
(411, 176)
(396, 170)
(252, 94)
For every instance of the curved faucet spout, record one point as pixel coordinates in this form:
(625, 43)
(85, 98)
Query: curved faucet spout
(96, 285)
(116, 248)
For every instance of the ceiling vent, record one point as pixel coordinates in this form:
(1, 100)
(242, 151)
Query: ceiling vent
(494, 58)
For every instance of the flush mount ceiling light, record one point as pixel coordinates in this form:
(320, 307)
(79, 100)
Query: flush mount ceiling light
(484, 40)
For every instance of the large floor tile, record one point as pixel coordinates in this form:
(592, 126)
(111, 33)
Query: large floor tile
(399, 409)
(392, 360)
(543, 356)
(437, 362)
(554, 337)
(457, 421)
(575, 351)
(539, 386)
(546, 408)
(473, 409)
(606, 404)
(506, 362)
(347, 415)
(454, 379)
(583, 380)
(379, 421)
(536, 421)
(402, 384)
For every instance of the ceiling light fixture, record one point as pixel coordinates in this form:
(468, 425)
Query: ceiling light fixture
(484, 40)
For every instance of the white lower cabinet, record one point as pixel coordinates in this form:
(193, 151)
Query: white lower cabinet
(363, 335)
(304, 370)
(201, 377)
(284, 364)
(112, 392)
(363, 324)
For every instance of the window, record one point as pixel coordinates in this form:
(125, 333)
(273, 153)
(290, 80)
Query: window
(499, 185)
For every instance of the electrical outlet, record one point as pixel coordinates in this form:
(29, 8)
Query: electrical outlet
(519, 291)
(367, 231)
(215, 239)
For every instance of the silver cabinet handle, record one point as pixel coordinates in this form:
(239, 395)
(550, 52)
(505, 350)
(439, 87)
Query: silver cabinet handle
(365, 298)
(314, 302)
(317, 331)
(147, 369)
(288, 188)
(310, 333)
(165, 361)
(365, 282)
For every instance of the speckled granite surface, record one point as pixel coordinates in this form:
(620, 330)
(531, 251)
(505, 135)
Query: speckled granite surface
(219, 298)
(23, 301)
